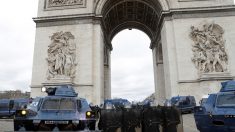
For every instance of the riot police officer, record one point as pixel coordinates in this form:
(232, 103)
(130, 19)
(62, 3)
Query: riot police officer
(110, 119)
(129, 119)
(96, 109)
(152, 118)
(171, 118)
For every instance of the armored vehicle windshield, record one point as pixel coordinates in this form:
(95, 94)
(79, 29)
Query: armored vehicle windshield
(59, 104)
(226, 100)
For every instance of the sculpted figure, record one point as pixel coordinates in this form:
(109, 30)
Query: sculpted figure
(206, 66)
(208, 48)
(217, 58)
(199, 58)
(60, 62)
(51, 70)
(61, 56)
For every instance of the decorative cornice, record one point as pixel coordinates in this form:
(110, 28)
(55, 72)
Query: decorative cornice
(217, 11)
(75, 85)
(67, 20)
(65, 17)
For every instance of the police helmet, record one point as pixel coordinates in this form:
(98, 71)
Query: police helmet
(127, 105)
(108, 106)
(167, 103)
(153, 104)
(101, 106)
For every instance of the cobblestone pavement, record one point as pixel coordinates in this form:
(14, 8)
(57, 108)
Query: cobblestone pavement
(6, 125)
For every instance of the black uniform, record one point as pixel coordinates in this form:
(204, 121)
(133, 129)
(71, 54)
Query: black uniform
(171, 119)
(110, 120)
(152, 118)
(130, 120)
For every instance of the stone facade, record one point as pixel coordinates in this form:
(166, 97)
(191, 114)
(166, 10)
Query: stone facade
(192, 43)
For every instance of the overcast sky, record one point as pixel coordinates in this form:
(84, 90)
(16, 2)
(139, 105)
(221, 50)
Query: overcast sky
(132, 75)
(17, 33)
(132, 65)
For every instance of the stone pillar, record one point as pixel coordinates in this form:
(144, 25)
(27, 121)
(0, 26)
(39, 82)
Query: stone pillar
(98, 66)
(107, 73)
(170, 60)
(159, 79)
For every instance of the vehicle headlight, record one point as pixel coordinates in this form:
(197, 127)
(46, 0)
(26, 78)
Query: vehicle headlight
(88, 113)
(23, 112)
(43, 89)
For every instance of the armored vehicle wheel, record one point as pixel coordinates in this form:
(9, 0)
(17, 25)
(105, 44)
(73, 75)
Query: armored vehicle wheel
(23, 125)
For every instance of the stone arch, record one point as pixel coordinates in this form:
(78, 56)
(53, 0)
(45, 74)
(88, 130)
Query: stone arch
(144, 15)
(100, 4)
(117, 15)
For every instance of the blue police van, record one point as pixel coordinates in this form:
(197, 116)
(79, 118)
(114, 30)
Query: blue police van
(8, 107)
(185, 104)
(217, 114)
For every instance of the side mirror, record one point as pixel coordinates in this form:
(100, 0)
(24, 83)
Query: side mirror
(25, 106)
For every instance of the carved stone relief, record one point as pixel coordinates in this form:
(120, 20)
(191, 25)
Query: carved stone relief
(64, 3)
(61, 56)
(209, 55)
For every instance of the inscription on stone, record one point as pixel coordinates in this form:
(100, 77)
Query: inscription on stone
(61, 56)
(209, 55)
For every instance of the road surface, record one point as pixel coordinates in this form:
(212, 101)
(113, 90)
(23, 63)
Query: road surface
(6, 125)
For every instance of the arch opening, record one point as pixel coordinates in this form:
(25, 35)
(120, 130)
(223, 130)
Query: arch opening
(132, 69)
(144, 15)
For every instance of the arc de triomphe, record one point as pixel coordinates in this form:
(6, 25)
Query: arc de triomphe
(192, 41)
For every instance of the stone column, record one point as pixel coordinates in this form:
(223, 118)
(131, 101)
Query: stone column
(170, 59)
(98, 63)
(159, 79)
(107, 73)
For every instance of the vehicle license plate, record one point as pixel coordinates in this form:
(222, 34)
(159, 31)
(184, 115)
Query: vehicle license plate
(56, 122)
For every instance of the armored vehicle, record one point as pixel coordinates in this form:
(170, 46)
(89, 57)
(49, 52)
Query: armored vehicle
(61, 110)
(184, 103)
(217, 114)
